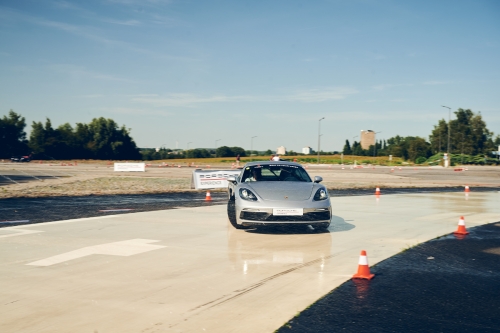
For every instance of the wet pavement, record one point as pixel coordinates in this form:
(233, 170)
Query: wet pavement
(444, 285)
(17, 211)
(200, 269)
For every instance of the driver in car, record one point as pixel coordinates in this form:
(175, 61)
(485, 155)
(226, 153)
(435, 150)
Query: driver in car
(256, 175)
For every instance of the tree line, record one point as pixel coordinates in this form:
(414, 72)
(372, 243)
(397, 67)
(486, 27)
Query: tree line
(468, 135)
(100, 139)
(105, 139)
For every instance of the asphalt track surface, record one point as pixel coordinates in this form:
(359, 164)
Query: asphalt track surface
(20, 211)
(444, 285)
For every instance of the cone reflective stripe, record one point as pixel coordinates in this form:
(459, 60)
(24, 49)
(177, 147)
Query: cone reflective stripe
(467, 189)
(363, 269)
(208, 197)
(377, 191)
(461, 227)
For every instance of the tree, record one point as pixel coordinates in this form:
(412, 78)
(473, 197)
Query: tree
(418, 148)
(101, 139)
(409, 148)
(357, 150)
(197, 153)
(12, 135)
(224, 151)
(347, 148)
(439, 137)
(468, 134)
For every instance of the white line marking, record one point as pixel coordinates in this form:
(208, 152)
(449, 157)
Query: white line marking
(123, 248)
(18, 221)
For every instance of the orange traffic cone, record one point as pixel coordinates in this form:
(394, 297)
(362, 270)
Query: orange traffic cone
(363, 269)
(377, 191)
(461, 227)
(208, 197)
(467, 189)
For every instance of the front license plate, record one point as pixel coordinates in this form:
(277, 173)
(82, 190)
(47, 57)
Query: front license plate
(288, 211)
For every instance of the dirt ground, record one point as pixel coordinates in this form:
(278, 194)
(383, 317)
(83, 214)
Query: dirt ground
(98, 178)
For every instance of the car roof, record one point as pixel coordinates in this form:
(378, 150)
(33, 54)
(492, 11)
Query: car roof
(272, 163)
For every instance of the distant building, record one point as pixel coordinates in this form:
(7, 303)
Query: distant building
(367, 139)
(281, 150)
(306, 150)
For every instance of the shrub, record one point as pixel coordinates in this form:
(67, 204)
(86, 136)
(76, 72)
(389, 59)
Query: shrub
(420, 160)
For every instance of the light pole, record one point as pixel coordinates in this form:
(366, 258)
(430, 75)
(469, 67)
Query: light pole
(216, 143)
(463, 139)
(449, 129)
(188, 145)
(319, 135)
(352, 145)
(251, 145)
(159, 148)
(375, 146)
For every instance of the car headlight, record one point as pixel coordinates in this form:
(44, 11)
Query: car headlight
(246, 194)
(321, 194)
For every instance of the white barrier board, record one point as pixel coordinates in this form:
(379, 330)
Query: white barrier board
(208, 179)
(127, 167)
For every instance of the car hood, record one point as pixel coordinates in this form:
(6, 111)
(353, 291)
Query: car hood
(279, 190)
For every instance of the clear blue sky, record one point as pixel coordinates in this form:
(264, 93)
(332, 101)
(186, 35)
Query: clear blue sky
(198, 71)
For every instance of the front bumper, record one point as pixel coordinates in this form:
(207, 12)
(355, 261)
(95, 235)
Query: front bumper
(264, 216)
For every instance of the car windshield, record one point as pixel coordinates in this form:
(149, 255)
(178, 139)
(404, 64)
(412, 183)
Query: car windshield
(275, 172)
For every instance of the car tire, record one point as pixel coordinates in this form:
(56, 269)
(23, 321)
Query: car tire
(321, 227)
(231, 214)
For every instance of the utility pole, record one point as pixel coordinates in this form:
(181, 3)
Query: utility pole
(449, 128)
(251, 145)
(319, 135)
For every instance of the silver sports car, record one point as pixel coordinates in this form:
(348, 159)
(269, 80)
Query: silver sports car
(277, 192)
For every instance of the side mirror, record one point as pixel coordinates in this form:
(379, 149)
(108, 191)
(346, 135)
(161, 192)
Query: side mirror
(318, 179)
(231, 179)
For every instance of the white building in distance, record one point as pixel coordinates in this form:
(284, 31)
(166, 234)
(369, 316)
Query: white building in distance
(281, 150)
(306, 150)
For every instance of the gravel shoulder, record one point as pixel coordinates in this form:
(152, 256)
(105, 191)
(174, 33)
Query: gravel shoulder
(32, 180)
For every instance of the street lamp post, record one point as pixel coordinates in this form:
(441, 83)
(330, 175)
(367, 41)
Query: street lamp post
(251, 145)
(319, 135)
(352, 146)
(375, 146)
(463, 139)
(188, 144)
(215, 149)
(449, 128)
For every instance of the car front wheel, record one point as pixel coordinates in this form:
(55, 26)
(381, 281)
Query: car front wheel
(231, 214)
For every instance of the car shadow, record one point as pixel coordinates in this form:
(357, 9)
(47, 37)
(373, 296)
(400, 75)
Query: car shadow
(285, 230)
(338, 224)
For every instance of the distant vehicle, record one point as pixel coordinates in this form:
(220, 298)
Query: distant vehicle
(277, 193)
(26, 158)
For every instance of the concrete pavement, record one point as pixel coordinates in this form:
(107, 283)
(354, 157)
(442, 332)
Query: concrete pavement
(188, 270)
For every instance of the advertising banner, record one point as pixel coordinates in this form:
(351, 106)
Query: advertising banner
(209, 179)
(127, 167)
